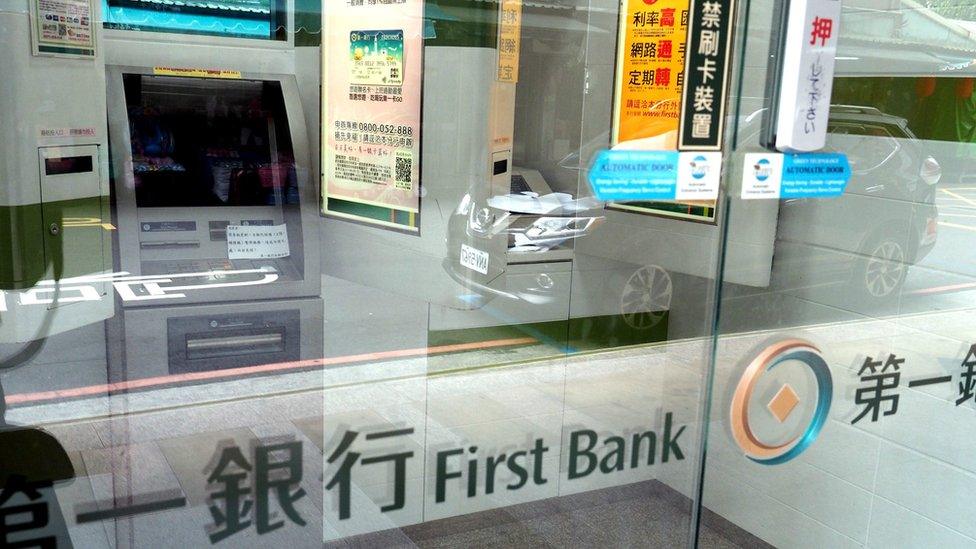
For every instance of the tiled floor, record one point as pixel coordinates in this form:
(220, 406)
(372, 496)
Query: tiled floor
(645, 514)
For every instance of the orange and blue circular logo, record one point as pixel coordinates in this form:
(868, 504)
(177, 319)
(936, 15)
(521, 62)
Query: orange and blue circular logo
(784, 402)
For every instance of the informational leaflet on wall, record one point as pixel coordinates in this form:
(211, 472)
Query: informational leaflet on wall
(372, 82)
(650, 61)
(257, 241)
(63, 27)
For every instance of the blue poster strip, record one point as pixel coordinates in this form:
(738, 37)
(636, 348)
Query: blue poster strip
(634, 175)
(816, 175)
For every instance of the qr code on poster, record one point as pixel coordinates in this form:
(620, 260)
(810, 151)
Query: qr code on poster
(404, 170)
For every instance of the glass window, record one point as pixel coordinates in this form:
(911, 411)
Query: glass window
(486, 273)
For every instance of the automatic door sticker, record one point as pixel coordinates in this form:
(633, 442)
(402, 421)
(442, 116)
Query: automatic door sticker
(816, 175)
(634, 175)
(784, 400)
(376, 57)
(655, 175)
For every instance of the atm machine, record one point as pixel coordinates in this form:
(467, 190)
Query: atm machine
(216, 210)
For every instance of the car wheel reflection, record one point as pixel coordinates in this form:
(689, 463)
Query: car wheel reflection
(885, 269)
(646, 297)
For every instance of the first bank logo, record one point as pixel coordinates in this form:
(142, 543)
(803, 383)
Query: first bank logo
(762, 169)
(783, 404)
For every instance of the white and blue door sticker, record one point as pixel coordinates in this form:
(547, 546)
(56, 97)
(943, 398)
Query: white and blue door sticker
(628, 175)
(812, 175)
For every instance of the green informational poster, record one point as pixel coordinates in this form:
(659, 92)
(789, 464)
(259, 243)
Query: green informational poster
(372, 78)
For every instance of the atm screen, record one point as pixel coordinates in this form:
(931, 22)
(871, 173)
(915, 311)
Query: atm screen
(206, 154)
(260, 19)
(200, 142)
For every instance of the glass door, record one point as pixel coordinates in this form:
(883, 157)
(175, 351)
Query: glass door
(841, 390)
(543, 351)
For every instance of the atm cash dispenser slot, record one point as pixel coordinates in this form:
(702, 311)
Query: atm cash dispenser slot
(216, 341)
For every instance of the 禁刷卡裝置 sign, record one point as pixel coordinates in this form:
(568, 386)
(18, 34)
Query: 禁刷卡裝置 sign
(706, 75)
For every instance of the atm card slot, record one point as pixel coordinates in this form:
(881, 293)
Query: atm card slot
(169, 244)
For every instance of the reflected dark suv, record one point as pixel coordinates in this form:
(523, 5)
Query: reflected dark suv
(885, 221)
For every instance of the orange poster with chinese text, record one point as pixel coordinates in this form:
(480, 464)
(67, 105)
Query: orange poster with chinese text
(650, 65)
